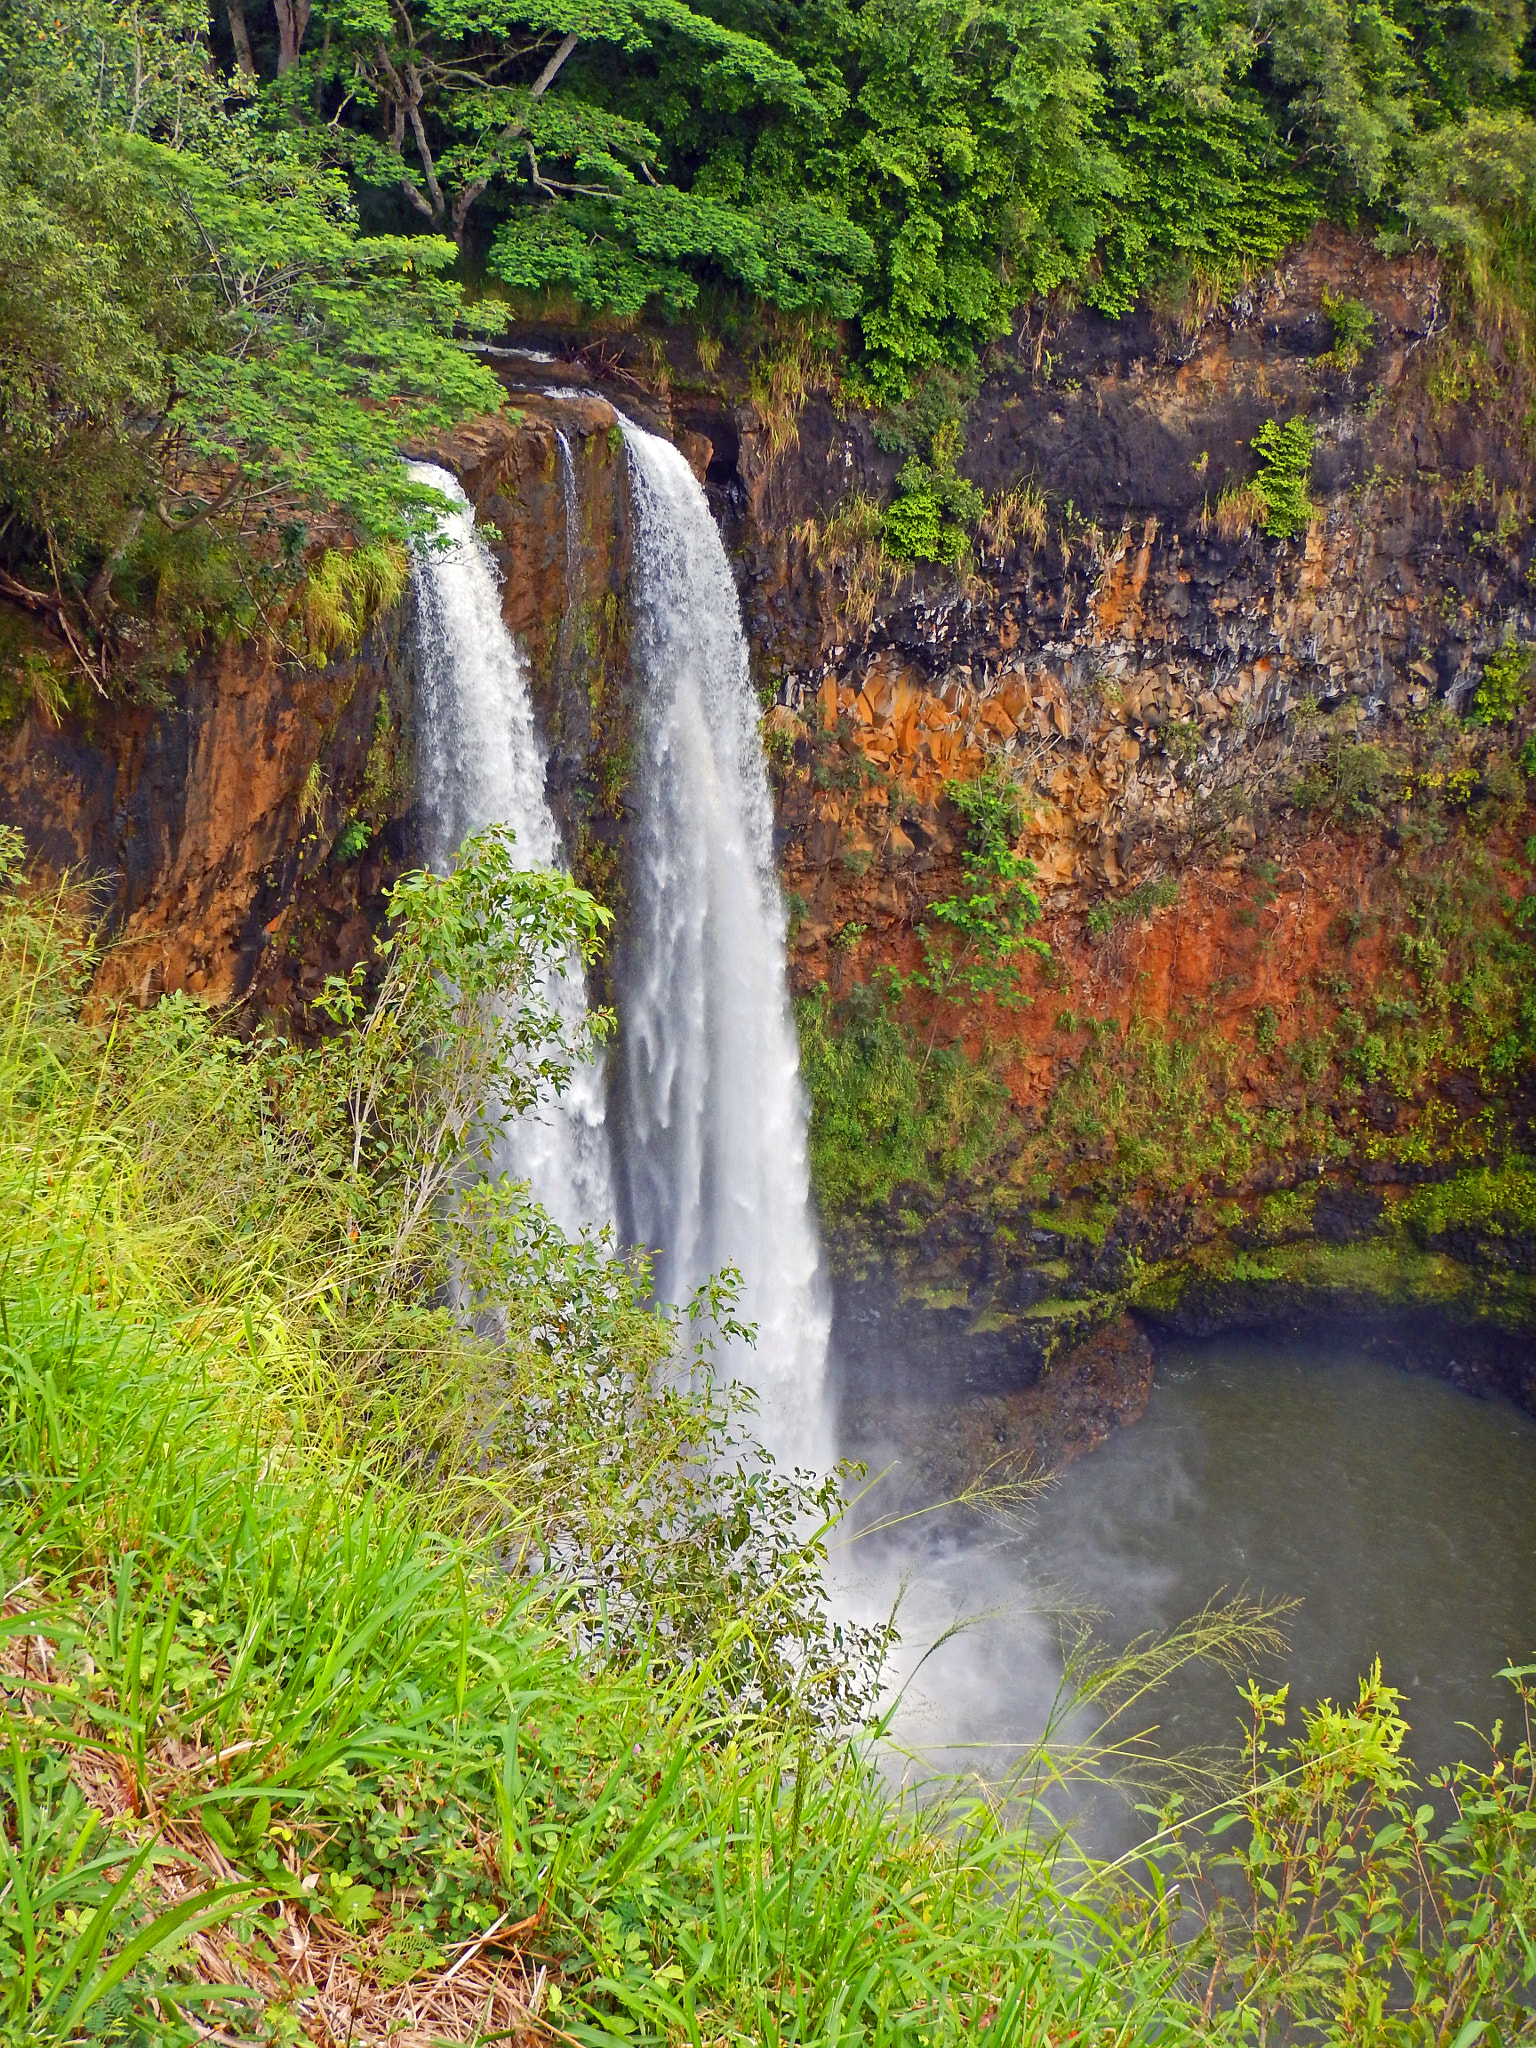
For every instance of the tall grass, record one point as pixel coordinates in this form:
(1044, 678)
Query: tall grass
(365, 1675)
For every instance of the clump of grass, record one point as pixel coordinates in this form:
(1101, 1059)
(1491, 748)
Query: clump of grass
(1011, 517)
(346, 591)
(1239, 509)
(1138, 903)
(850, 541)
(793, 360)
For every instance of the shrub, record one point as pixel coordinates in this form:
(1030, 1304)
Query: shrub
(1354, 329)
(1285, 464)
(934, 507)
(1502, 694)
(353, 839)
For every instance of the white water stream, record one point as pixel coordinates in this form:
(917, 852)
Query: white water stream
(711, 1151)
(481, 762)
(714, 1159)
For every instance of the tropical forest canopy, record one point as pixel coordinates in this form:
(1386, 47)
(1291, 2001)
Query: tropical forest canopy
(240, 253)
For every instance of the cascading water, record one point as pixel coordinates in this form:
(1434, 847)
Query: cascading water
(714, 1157)
(481, 763)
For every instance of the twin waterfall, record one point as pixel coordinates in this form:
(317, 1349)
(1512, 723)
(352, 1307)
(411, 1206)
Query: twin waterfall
(480, 762)
(701, 1156)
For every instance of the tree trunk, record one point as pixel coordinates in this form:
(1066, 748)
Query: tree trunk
(542, 83)
(292, 20)
(240, 36)
(101, 583)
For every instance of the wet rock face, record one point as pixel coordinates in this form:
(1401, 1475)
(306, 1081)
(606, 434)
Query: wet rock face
(1133, 650)
(203, 824)
(243, 836)
(1146, 666)
(959, 1426)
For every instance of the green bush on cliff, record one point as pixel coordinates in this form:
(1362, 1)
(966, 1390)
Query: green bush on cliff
(934, 508)
(884, 1111)
(1285, 465)
(1505, 688)
(975, 943)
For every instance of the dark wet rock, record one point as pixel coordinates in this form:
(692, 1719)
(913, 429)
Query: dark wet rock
(1344, 1215)
(1000, 1439)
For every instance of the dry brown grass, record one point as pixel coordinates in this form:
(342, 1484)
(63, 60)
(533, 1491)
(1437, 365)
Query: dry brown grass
(1011, 517)
(349, 1989)
(849, 542)
(1239, 509)
(791, 362)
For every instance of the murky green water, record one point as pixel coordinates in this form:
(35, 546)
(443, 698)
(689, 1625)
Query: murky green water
(1399, 1513)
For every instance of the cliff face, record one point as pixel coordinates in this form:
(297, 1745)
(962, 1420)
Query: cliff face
(1242, 762)
(241, 831)
(204, 821)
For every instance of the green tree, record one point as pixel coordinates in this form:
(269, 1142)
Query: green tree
(539, 108)
(192, 329)
(460, 1036)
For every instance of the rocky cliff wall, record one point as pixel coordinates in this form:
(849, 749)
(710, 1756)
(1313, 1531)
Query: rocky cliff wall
(204, 820)
(1253, 797)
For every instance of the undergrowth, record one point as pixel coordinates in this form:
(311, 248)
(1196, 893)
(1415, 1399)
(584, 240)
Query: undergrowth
(882, 1114)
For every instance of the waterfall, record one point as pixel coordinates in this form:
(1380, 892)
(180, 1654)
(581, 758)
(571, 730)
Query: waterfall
(714, 1158)
(481, 762)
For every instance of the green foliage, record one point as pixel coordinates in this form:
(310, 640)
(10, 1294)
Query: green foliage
(1354, 329)
(975, 943)
(353, 839)
(1152, 1108)
(1139, 902)
(1285, 466)
(1287, 1214)
(1353, 782)
(934, 507)
(1468, 193)
(1505, 688)
(73, 1923)
(347, 591)
(425, 1625)
(192, 328)
(885, 1113)
(1498, 1200)
(1355, 1898)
